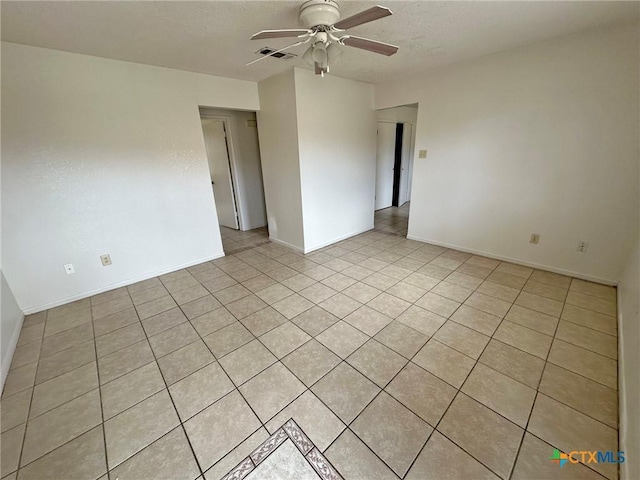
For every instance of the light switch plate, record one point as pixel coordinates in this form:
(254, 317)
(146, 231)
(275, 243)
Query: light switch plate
(423, 154)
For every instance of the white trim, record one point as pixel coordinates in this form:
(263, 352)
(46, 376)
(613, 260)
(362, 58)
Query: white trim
(285, 244)
(336, 240)
(518, 261)
(80, 296)
(7, 356)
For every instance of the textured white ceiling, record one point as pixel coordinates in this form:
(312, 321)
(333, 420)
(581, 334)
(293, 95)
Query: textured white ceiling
(213, 37)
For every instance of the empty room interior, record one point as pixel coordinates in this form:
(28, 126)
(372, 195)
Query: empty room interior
(320, 239)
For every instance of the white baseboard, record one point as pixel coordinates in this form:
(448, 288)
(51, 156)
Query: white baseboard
(106, 288)
(518, 261)
(338, 239)
(286, 244)
(7, 356)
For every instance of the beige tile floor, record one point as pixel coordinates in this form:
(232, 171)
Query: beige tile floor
(234, 241)
(398, 359)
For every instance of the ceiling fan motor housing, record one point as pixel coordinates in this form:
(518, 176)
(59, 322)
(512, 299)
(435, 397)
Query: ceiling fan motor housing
(314, 13)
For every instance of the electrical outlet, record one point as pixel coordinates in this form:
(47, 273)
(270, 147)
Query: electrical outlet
(535, 238)
(105, 259)
(582, 246)
(69, 269)
(422, 154)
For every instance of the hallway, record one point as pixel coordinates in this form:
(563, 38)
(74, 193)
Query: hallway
(393, 220)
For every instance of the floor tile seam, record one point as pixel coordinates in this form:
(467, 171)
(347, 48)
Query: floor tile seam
(583, 375)
(26, 423)
(296, 377)
(233, 449)
(36, 383)
(119, 349)
(590, 294)
(546, 441)
(175, 410)
(406, 362)
(44, 339)
(94, 318)
(538, 392)
(143, 289)
(458, 392)
(104, 435)
(547, 362)
(384, 389)
(556, 447)
(112, 331)
(592, 329)
(589, 349)
(564, 306)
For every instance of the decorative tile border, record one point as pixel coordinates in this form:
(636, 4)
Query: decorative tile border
(289, 431)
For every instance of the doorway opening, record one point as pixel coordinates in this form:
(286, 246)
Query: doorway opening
(394, 167)
(235, 171)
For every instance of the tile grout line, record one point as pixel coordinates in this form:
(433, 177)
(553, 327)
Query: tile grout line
(279, 360)
(166, 387)
(26, 423)
(102, 425)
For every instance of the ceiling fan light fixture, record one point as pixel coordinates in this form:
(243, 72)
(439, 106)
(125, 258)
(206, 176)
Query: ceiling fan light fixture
(319, 12)
(322, 21)
(319, 54)
(335, 53)
(307, 56)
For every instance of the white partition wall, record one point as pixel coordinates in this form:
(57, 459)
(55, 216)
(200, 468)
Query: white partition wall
(102, 156)
(540, 139)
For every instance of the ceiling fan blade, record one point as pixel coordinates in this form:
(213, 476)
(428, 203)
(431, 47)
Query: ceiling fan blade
(366, 16)
(369, 45)
(285, 33)
(278, 51)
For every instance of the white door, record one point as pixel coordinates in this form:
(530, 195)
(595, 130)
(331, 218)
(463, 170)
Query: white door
(384, 164)
(216, 143)
(405, 174)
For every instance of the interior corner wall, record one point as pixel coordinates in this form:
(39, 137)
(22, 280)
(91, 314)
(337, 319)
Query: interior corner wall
(539, 139)
(278, 133)
(104, 156)
(10, 325)
(337, 145)
(248, 181)
(629, 359)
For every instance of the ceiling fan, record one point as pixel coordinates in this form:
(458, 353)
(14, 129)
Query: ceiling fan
(323, 29)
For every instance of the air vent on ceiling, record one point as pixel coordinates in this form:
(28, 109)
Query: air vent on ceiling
(280, 55)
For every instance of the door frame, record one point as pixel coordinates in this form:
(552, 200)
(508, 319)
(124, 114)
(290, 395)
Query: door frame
(407, 167)
(233, 167)
(398, 166)
(407, 172)
(375, 209)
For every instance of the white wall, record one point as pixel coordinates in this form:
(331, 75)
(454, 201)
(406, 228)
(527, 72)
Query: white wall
(248, 172)
(629, 355)
(539, 139)
(337, 144)
(278, 133)
(10, 325)
(102, 156)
